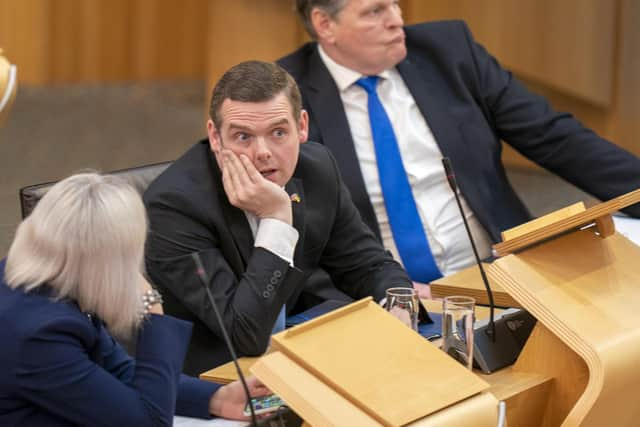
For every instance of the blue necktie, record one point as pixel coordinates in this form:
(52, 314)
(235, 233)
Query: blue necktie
(406, 225)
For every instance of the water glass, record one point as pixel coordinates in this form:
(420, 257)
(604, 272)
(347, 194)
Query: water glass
(457, 328)
(403, 303)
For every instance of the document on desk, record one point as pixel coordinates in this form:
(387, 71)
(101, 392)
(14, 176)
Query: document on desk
(628, 227)
(199, 422)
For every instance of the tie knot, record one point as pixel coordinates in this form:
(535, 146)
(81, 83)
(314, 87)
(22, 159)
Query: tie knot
(368, 83)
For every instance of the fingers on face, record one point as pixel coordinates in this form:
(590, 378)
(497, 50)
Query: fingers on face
(251, 170)
(239, 176)
(230, 177)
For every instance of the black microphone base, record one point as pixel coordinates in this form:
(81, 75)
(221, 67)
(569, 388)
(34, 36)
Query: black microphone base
(283, 417)
(512, 332)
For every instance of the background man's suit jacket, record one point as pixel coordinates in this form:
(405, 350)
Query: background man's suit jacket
(189, 212)
(470, 103)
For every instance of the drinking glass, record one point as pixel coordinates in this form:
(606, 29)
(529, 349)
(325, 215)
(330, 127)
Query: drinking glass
(457, 328)
(403, 303)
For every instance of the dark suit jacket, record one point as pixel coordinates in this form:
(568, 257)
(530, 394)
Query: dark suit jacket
(470, 103)
(189, 212)
(60, 367)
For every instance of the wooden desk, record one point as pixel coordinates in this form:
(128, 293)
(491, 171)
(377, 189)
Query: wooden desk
(525, 393)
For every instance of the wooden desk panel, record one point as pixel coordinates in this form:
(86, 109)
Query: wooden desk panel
(525, 393)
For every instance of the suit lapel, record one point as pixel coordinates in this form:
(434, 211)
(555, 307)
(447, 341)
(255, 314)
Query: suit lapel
(328, 112)
(296, 191)
(433, 104)
(240, 230)
(434, 101)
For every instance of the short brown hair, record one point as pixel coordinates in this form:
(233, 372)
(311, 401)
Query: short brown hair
(305, 7)
(254, 81)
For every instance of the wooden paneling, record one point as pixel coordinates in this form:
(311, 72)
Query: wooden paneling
(169, 39)
(249, 29)
(624, 122)
(22, 28)
(70, 41)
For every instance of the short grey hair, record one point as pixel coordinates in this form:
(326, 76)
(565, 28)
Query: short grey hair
(85, 240)
(305, 7)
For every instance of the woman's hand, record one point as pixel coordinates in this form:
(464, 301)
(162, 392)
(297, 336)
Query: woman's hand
(229, 401)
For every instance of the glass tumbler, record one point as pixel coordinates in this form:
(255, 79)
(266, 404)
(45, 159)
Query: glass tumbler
(457, 328)
(403, 303)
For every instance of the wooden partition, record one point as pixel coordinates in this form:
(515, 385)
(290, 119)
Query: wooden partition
(247, 29)
(72, 41)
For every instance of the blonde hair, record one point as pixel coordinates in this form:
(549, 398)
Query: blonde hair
(85, 240)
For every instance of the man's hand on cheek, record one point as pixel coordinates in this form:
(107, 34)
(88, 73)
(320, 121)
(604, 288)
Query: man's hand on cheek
(248, 190)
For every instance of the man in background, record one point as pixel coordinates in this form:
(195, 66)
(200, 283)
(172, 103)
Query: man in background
(390, 101)
(262, 211)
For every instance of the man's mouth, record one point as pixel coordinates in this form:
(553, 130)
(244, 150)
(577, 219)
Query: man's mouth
(398, 39)
(268, 172)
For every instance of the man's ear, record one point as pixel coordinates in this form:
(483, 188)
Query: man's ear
(303, 127)
(214, 137)
(323, 25)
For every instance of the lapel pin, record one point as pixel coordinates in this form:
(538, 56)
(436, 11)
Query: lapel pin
(295, 198)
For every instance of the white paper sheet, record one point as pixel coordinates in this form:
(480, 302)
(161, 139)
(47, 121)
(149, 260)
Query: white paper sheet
(628, 227)
(199, 422)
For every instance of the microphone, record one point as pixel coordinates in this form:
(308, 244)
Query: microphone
(283, 416)
(203, 279)
(514, 326)
(451, 178)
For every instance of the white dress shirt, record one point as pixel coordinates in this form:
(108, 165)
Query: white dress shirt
(274, 235)
(422, 161)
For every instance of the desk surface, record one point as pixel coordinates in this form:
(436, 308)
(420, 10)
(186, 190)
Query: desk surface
(524, 392)
(226, 373)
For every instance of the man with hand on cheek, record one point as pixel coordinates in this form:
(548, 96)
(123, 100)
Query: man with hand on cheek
(262, 210)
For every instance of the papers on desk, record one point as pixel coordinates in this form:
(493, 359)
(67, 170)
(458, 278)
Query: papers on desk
(628, 227)
(199, 422)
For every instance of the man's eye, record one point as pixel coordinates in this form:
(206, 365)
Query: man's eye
(279, 133)
(243, 136)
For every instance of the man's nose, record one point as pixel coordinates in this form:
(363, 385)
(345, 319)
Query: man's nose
(263, 152)
(395, 17)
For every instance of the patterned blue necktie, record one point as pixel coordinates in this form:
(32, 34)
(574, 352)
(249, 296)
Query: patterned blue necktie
(406, 226)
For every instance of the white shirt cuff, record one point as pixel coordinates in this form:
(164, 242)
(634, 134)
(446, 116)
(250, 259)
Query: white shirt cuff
(278, 237)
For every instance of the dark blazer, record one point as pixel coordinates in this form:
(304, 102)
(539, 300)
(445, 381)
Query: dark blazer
(470, 103)
(189, 212)
(60, 367)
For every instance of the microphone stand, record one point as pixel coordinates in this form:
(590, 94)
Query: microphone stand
(203, 279)
(451, 178)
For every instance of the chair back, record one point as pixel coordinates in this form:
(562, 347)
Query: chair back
(139, 177)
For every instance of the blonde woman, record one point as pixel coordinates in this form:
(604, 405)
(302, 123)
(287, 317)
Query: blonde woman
(71, 284)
